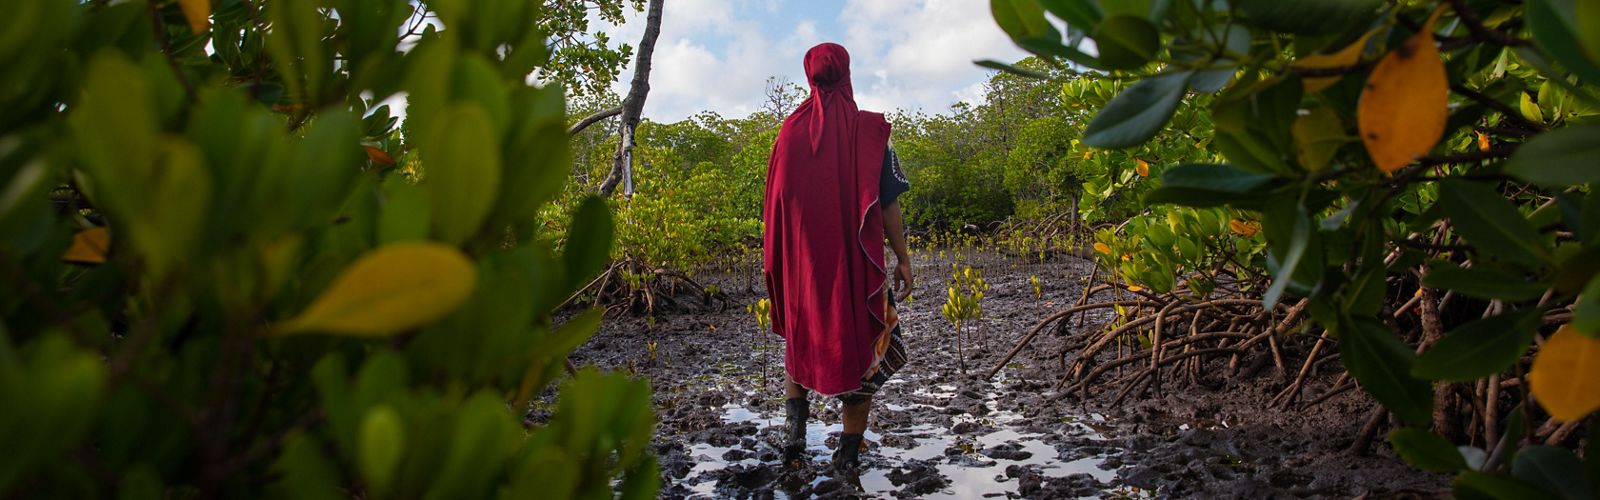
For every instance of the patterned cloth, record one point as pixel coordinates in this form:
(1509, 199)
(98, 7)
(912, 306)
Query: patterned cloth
(889, 355)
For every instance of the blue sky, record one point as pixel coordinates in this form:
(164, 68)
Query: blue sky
(906, 54)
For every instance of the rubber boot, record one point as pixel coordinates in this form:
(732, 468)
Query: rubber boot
(848, 456)
(794, 446)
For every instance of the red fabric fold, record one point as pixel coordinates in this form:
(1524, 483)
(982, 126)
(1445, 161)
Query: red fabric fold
(823, 241)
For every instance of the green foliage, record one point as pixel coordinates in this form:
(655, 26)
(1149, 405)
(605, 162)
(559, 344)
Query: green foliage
(170, 214)
(1355, 199)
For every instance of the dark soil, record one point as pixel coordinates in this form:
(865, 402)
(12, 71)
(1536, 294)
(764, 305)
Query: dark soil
(938, 433)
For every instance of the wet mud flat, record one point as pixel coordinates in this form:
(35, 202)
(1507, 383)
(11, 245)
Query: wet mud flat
(937, 432)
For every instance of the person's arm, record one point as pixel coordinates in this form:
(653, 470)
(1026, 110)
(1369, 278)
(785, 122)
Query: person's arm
(894, 228)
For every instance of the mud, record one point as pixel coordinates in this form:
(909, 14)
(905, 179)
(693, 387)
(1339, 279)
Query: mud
(939, 433)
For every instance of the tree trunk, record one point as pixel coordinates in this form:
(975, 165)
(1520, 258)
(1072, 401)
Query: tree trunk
(633, 105)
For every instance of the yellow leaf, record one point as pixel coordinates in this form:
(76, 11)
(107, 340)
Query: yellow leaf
(1317, 136)
(1135, 288)
(1483, 141)
(1102, 248)
(89, 246)
(389, 290)
(1403, 108)
(1565, 377)
(1243, 228)
(1344, 57)
(1143, 168)
(1088, 155)
(198, 12)
(1530, 109)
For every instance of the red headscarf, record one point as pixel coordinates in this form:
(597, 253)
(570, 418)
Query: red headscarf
(823, 248)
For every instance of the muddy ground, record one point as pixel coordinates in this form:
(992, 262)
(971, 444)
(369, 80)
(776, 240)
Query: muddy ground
(938, 433)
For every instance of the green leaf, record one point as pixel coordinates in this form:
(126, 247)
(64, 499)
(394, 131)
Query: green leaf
(1079, 14)
(1255, 123)
(1554, 469)
(382, 445)
(1426, 450)
(538, 156)
(1126, 42)
(1554, 33)
(406, 215)
(1559, 158)
(296, 45)
(1480, 348)
(1138, 113)
(1007, 68)
(325, 166)
(1482, 282)
(1308, 17)
(1586, 312)
(1288, 230)
(481, 440)
(1023, 20)
(588, 247)
(462, 161)
(304, 472)
(1474, 484)
(1382, 365)
(1204, 185)
(1054, 48)
(1492, 223)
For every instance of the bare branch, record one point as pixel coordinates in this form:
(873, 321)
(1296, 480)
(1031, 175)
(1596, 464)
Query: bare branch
(594, 118)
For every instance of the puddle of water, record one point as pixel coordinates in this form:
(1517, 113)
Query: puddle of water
(969, 473)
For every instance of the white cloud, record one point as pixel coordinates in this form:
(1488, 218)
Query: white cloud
(905, 54)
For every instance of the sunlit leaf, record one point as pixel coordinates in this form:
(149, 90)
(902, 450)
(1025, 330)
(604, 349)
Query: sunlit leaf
(1565, 376)
(389, 290)
(1405, 103)
(1529, 109)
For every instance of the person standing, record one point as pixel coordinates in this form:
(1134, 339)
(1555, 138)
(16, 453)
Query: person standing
(832, 197)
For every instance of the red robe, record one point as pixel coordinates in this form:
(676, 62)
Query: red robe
(823, 242)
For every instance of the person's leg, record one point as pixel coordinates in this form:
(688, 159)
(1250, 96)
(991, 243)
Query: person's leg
(792, 390)
(855, 415)
(799, 410)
